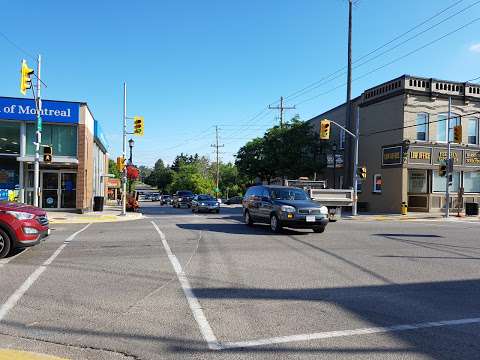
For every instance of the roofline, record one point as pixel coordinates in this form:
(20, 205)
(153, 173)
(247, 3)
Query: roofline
(25, 98)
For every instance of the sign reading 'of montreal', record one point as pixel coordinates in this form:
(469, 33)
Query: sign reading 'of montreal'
(52, 111)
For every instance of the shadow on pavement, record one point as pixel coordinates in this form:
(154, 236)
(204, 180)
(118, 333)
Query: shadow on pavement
(239, 229)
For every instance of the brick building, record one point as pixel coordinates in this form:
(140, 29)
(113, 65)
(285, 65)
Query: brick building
(80, 160)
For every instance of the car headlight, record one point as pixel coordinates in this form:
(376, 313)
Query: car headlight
(202, 204)
(323, 210)
(20, 215)
(287, 208)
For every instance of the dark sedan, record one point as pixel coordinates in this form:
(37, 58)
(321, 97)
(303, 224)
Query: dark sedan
(205, 203)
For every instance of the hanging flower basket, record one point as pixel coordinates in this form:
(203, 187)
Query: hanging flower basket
(132, 173)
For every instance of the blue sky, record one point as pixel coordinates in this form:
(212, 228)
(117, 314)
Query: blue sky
(190, 65)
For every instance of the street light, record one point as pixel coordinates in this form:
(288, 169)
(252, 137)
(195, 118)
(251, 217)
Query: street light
(131, 142)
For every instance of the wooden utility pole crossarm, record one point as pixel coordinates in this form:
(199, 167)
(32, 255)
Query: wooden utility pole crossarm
(282, 109)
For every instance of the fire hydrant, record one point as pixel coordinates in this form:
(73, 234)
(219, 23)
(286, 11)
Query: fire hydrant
(404, 208)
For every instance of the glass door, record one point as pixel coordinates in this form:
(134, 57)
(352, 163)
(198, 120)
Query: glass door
(50, 190)
(68, 190)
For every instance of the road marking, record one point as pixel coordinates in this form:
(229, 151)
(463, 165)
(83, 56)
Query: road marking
(195, 306)
(344, 333)
(5, 261)
(17, 295)
(9, 354)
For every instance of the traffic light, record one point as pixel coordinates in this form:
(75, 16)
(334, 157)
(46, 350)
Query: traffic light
(362, 172)
(457, 134)
(443, 170)
(120, 163)
(138, 125)
(25, 80)
(47, 154)
(325, 129)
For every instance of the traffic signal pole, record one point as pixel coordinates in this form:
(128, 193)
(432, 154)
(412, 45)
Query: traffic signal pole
(449, 160)
(124, 171)
(38, 138)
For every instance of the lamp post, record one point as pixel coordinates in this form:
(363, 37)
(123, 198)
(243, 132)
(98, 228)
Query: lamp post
(131, 142)
(334, 149)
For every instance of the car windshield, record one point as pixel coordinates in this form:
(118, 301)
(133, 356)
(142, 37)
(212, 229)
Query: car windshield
(288, 194)
(185, 193)
(205, 198)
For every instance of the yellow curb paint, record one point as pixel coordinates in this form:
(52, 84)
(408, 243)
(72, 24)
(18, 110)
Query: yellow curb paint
(7, 354)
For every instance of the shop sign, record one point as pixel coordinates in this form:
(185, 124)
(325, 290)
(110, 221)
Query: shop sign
(52, 111)
(472, 158)
(338, 161)
(113, 183)
(440, 155)
(420, 155)
(392, 155)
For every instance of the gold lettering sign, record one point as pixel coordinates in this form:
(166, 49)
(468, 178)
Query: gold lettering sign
(443, 155)
(422, 155)
(391, 156)
(472, 158)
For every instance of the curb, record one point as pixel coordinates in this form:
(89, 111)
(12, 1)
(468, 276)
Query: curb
(9, 354)
(94, 219)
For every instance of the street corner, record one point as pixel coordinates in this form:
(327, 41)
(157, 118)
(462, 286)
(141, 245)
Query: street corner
(10, 354)
(85, 219)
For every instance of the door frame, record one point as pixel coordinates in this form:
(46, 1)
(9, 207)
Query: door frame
(59, 186)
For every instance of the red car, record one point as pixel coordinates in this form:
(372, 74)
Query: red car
(21, 225)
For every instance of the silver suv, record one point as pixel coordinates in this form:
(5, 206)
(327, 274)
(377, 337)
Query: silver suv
(282, 206)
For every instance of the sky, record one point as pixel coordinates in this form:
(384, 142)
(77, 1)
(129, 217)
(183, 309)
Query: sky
(192, 65)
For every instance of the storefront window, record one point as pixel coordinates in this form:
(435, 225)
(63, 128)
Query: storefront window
(439, 182)
(9, 137)
(472, 131)
(63, 139)
(9, 168)
(421, 125)
(417, 181)
(471, 182)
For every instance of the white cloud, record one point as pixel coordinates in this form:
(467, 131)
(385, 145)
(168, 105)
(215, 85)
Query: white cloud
(475, 48)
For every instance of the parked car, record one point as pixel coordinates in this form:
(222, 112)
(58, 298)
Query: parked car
(205, 203)
(21, 226)
(182, 198)
(155, 197)
(234, 200)
(165, 200)
(282, 206)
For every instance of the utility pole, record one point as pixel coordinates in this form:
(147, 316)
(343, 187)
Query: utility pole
(449, 161)
(217, 146)
(281, 108)
(348, 121)
(355, 163)
(38, 138)
(124, 174)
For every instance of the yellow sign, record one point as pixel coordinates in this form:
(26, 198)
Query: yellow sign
(422, 155)
(472, 158)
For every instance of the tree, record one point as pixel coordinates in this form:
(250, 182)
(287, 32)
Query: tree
(188, 177)
(112, 168)
(144, 171)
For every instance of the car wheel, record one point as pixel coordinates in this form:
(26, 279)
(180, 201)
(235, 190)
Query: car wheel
(5, 244)
(275, 224)
(318, 230)
(247, 218)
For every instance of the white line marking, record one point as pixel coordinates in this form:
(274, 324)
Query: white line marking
(195, 306)
(5, 261)
(17, 295)
(343, 333)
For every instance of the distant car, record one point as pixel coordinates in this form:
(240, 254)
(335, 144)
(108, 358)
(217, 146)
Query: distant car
(182, 198)
(234, 200)
(21, 226)
(155, 197)
(165, 200)
(205, 203)
(282, 206)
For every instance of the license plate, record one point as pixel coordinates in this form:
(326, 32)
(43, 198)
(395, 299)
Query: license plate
(310, 218)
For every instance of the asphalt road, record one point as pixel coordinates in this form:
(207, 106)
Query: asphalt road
(176, 285)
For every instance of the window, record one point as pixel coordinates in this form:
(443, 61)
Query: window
(417, 181)
(9, 138)
(377, 183)
(63, 139)
(472, 131)
(442, 126)
(471, 182)
(422, 126)
(439, 182)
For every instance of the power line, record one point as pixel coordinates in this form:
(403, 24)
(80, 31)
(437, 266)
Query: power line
(397, 59)
(282, 108)
(18, 47)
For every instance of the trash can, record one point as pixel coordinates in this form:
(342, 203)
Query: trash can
(98, 203)
(404, 208)
(471, 209)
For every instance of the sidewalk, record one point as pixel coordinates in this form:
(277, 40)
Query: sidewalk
(412, 216)
(110, 213)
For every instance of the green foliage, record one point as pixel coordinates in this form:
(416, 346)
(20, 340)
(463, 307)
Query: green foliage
(188, 177)
(112, 168)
